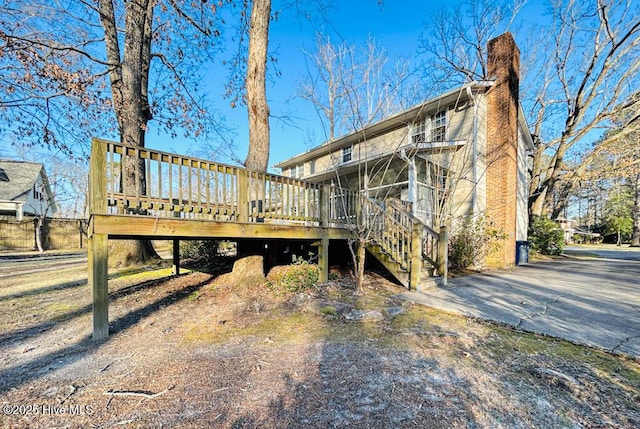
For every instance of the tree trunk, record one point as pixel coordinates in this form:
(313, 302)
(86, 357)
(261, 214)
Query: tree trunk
(635, 237)
(358, 257)
(123, 253)
(257, 107)
(129, 81)
(361, 259)
(39, 224)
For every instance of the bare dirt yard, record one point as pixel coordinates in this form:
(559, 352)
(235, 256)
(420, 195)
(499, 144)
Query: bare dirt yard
(194, 351)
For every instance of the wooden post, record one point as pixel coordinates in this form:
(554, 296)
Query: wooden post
(98, 280)
(325, 210)
(176, 258)
(323, 260)
(243, 196)
(416, 257)
(98, 178)
(443, 254)
(176, 252)
(97, 243)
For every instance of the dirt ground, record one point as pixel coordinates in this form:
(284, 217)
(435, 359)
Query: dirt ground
(194, 351)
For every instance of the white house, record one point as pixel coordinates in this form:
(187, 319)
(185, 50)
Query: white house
(459, 154)
(25, 190)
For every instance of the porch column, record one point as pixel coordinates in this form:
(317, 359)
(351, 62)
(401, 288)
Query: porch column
(413, 185)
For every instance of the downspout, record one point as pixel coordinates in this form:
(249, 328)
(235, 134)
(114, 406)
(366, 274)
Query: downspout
(474, 151)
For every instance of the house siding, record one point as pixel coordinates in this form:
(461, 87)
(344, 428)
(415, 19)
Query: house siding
(468, 181)
(522, 214)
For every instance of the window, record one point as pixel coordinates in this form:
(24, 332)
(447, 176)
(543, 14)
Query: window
(346, 154)
(297, 171)
(439, 127)
(418, 133)
(37, 195)
(312, 166)
(3, 176)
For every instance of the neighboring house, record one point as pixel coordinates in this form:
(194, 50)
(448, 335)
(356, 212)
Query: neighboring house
(570, 231)
(566, 225)
(461, 153)
(25, 190)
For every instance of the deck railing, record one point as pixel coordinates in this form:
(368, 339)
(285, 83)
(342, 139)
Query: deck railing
(131, 180)
(401, 235)
(145, 182)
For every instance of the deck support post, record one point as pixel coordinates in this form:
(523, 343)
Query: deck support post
(443, 254)
(98, 280)
(416, 257)
(97, 251)
(176, 258)
(323, 260)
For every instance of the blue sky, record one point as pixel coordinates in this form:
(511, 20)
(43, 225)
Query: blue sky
(395, 24)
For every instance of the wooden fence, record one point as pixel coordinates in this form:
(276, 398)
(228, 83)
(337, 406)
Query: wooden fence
(57, 234)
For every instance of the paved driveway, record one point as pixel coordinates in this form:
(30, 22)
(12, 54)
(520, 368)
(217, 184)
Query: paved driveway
(588, 301)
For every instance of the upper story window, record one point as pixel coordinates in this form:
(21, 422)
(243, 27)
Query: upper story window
(418, 133)
(3, 176)
(297, 171)
(346, 154)
(433, 129)
(439, 126)
(37, 195)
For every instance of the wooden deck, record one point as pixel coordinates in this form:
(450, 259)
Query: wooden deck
(139, 193)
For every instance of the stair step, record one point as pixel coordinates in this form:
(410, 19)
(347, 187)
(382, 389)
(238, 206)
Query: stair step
(431, 283)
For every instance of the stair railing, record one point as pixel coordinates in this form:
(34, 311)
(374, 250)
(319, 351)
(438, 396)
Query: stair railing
(397, 232)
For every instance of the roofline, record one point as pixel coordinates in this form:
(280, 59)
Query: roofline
(381, 126)
(524, 126)
(414, 149)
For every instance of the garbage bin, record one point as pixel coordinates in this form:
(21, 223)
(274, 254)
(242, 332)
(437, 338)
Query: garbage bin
(522, 252)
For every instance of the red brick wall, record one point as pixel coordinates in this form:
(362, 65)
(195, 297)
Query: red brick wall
(502, 143)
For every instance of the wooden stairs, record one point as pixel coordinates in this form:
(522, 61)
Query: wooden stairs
(412, 252)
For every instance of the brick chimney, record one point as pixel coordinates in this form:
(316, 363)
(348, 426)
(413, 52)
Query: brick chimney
(502, 143)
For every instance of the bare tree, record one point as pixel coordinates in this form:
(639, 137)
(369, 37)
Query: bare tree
(595, 50)
(617, 157)
(70, 68)
(455, 43)
(351, 88)
(585, 66)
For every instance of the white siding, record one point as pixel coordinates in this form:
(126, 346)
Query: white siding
(522, 213)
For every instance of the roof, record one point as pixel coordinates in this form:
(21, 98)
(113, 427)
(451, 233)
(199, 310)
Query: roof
(389, 123)
(21, 176)
(402, 119)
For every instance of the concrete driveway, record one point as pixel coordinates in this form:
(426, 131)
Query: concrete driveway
(591, 301)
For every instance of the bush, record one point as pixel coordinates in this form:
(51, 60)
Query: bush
(213, 256)
(475, 240)
(199, 251)
(297, 277)
(545, 236)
